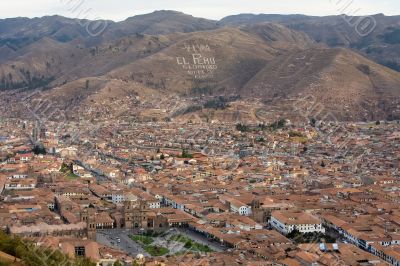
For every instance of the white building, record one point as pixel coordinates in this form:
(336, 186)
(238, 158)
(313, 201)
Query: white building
(117, 197)
(236, 206)
(20, 184)
(241, 209)
(18, 176)
(154, 204)
(286, 221)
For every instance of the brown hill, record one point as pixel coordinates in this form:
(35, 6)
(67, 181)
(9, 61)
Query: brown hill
(380, 44)
(6, 53)
(228, 69)
(376, 37)
(51, 63)
(251, 63)
(161, 22)
(280, 36)
(342, 82)
(212, 62)
(20, 32)
(201, 62)
(50, 51)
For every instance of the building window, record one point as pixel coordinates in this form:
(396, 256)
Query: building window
(80, 251)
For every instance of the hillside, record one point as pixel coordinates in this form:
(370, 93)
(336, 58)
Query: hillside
(196, 66)
(279, 36)
(162, 22)
(203, 62)
(341, 82)
(20, 32)
(379, 40)
(50, 51)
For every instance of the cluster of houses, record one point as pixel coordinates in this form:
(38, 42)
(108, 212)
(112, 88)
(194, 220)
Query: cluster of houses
(244, 191)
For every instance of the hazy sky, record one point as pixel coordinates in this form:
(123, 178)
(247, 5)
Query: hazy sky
(212, 9)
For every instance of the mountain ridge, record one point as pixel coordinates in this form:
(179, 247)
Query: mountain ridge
(196, 60)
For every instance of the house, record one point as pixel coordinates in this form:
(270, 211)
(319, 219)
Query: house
(236, 205)
(365, 230)
(390, 254)
(154, 204)
(101, 192)
(18, 176)
(77, 248)
(117, 196)
(69, 152)
(26, 157)
(175, 202)
(20, 184)
(287, 221)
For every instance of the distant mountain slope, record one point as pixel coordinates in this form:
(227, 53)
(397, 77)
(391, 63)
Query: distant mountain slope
(6, 53)
(344, 83)
(280, 36)
(382, 45)
(252, 64)
(20, 32)
(380, 40)
(55, 63)
(194, 60)
(248, 19)
(162, 22)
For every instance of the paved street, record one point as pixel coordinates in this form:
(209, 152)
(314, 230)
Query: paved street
(109, 238)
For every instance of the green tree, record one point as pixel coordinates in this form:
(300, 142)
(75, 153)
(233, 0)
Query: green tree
(313, 122)
(33, 255)
(186, 154)
(242, 128)
(39, 149)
